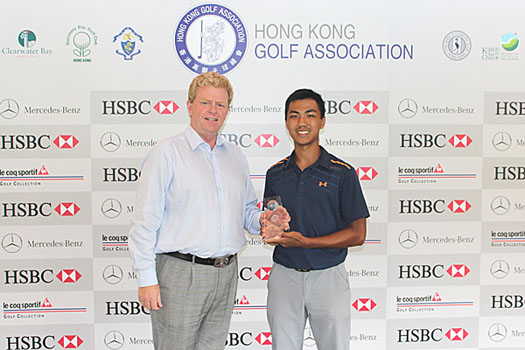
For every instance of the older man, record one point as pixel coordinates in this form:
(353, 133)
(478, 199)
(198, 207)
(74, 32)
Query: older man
(193, 200)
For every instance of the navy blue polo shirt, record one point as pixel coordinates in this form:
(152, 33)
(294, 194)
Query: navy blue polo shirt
(322, 199)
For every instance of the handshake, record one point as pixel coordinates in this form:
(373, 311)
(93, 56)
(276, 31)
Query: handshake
(274, 221)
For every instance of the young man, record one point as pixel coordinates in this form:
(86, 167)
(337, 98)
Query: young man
(328, 214)
(193, 200)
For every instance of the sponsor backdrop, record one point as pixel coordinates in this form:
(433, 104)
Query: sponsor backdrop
(425, 99)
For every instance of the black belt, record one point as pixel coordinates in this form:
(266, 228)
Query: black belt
(217, 262)
(303, 270)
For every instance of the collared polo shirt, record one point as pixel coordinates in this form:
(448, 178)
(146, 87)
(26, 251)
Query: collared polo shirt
(322, 199)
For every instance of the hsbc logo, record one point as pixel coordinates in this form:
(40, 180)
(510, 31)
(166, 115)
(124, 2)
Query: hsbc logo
(69, 276)
(124, 308)
(425, 335)
(31, 209)
(166, 107)
(31, 142)
(247, 140)
(424, 271)
(460, 141)
(366, 107)
(264, 338)
(427, 206)
(246, 339)
(510, 108)
(458, 270)
(27, 342)
(67, 209)
(345, 107)
(366, 173)
(66, 141)
(70, 341)
(246, 273)
(456, 334)
(459, 206)
(266, 140)
(364, 304)
(120, 174)
(508, 301)
(132, 107)
(45, 276)
(434, 140)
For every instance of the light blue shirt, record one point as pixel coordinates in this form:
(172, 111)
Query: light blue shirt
(191, 199)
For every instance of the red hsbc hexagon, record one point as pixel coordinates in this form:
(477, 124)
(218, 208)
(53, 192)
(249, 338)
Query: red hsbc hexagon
(364, 304)
(459, 206)
(166, 107)
(264, 338)
(267, 140)
(65, 141)
(263, 273)
(458, 270)
(70, 341)
(366, 107)
(69, 275)
(67, 209)
(460, 141)
(456, 334)
(366, 173)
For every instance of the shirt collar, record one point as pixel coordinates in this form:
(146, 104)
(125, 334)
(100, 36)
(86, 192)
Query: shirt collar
(195, 140)
(324, 159)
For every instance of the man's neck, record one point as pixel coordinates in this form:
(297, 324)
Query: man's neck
(307, 155)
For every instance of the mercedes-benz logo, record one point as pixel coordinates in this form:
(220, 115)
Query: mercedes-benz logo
(114, 340)
(112, 274)
(497, 332)
(309, 340)
(407, 108)
(500, 205)
(408, 238)
(501, 141)
(12, 243)
(9, 108)
(111, 208)
(110, 141)
(499, 269)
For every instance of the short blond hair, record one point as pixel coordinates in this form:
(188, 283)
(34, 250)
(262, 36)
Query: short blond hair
(210, 79)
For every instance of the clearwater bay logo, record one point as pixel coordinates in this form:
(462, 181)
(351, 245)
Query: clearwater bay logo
(128, 43)
(26, 47)
(27, 38)
(210, 37)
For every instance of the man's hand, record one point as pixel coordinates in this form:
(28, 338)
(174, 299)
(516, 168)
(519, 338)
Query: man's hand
(274, 222)
(289, 239)
(149, 297)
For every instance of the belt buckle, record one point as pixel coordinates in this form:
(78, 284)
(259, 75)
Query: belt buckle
(221, 262)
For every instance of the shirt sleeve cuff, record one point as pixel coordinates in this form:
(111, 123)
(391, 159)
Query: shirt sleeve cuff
(147, 277)
(255, 226)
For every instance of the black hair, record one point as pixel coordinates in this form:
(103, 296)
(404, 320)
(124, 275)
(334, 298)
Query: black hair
(304, 94)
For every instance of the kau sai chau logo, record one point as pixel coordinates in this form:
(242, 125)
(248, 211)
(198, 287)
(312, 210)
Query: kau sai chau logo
(210, 37)
(128, 43)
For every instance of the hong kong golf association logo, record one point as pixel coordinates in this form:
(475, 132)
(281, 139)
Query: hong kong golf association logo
(210, 37)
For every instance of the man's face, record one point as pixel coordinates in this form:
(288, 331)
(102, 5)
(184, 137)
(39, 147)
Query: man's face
(208, 111)
(304, 122)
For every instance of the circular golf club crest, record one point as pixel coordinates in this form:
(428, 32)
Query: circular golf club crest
(210, 37)
(456, 45)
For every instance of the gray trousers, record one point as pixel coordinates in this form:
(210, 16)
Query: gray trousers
(197, 305)
(322, 296)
